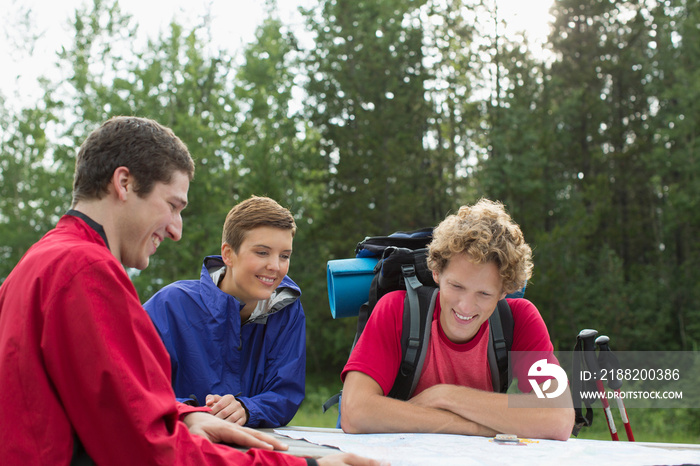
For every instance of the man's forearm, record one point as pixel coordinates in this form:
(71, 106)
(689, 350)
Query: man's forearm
(378, 413)
(539, 419)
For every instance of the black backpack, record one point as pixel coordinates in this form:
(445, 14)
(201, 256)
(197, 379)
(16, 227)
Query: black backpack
(402, 265)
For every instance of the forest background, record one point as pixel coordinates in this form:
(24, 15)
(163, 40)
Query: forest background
(399, 112)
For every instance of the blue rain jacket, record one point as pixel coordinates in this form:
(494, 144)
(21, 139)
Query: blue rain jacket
(262, 362)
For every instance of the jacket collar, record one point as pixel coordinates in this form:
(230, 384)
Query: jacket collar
(91, 223)
(217, 301)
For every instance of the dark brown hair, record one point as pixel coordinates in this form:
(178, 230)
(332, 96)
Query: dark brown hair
(150, 151)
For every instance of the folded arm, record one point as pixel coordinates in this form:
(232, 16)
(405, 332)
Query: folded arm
(365, 409)
(451, 409)
(522, 414)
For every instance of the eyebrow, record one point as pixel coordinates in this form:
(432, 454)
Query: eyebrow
(182, 203)
(268, 247)
(464, 285)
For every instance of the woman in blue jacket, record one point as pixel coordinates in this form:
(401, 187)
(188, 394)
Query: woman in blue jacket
(237, 336)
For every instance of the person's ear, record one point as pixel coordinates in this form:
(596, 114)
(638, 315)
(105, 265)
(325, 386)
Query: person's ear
(226, 253)
(436, 277)
(122, 182)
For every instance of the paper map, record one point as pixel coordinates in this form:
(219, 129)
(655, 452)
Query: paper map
(444, 449)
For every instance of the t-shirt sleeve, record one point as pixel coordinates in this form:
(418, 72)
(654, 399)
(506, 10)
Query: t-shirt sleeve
(378, 350)
(531, 341)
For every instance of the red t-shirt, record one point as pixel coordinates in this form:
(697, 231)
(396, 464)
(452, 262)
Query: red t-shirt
(378, 351)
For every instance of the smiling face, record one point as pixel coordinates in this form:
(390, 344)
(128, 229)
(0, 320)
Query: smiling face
(260, 264)
(148, 220)
(469, 293)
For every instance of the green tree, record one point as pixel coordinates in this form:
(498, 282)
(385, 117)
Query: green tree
(276, 153)
(34, 189)
(177, 81)
(270, 150)
(603, 234)
(34, 184)
(512, 164)
(454, 78)
(365, 96)
(675, 83)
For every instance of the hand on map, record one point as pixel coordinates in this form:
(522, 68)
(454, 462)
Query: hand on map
(220, 431)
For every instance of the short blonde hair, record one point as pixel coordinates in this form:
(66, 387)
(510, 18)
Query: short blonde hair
(486, 233)
(253, 213)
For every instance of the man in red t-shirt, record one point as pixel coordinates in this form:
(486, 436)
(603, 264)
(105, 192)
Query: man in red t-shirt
(477, 256)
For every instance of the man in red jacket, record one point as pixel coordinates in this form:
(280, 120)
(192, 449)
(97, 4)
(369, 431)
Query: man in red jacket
(84, 372)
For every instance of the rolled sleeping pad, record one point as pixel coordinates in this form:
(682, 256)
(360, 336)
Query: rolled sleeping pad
(348, 284)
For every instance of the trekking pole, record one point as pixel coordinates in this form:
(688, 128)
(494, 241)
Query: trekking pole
(609, 361)
(587, 336)
(580, 385)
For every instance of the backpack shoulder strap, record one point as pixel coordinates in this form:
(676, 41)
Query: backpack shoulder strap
(419, 307)
(500, 343)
